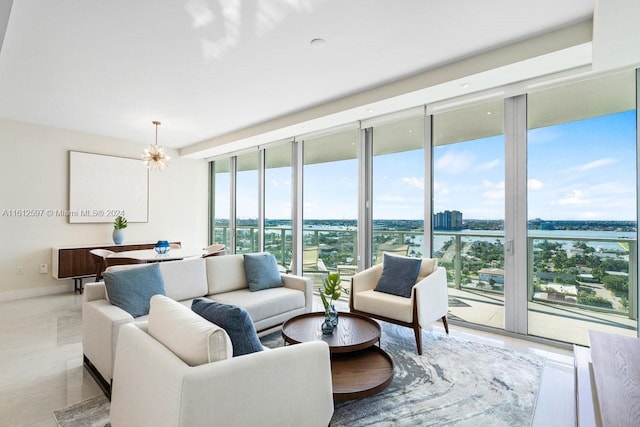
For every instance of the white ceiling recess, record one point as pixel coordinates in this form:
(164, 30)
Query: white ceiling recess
(218, 72)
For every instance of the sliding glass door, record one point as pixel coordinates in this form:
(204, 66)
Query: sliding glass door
(469, 209)
(247, 190)
(582, 209)
(277, 203)
(398, 189)
(330, 203)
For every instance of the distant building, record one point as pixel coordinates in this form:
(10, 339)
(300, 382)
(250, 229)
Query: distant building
(448, 220)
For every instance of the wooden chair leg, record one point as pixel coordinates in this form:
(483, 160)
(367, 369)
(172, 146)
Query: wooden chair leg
(446, 324)
(418, 333)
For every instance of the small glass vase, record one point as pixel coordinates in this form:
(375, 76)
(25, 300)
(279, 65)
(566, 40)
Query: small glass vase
(332, 315)
(327, 326)
(162, 247)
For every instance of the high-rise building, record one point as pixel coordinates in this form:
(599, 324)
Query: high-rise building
(448, 220)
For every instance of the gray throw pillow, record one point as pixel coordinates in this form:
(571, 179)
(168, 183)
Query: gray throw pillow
(399, 274)
(234, 320)
(261, 271)
(131, 289)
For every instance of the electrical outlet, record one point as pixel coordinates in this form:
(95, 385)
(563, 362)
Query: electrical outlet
(20, 270)
(44, 268)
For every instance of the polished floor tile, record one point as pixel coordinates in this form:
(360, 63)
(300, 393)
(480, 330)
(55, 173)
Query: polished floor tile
(41, 359)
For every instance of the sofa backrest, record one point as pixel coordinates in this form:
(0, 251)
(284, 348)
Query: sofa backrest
(184, 279)
(225, 273)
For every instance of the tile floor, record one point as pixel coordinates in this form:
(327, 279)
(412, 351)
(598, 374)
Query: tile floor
(41, 363)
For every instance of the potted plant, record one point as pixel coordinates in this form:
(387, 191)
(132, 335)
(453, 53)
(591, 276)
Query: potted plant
(331, 291)
(119, 224)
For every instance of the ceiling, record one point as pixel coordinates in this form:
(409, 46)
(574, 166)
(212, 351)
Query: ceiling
(210, 68)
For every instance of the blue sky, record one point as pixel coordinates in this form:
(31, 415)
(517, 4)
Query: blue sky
(579, 170)
(576, 171)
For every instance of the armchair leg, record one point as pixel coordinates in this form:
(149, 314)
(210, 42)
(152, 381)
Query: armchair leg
(446, 324)
(418, 333)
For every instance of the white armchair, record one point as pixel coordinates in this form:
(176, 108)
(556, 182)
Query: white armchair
(429, 300)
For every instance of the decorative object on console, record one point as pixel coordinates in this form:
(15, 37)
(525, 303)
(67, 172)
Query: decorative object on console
(162, 247)
(332, 288)
(153, 156)
(119, 224)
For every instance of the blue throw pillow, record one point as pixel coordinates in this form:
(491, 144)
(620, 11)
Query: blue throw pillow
(399, 274)
(131, 289)
(234, 320)
(261, 271)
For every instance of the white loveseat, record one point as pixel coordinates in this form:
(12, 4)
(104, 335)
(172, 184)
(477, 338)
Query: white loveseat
(176, 370)
(219, 279)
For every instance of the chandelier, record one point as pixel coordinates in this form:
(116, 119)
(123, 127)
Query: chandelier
(153, 156)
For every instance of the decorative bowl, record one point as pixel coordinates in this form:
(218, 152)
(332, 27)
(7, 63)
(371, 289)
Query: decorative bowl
(162, 247)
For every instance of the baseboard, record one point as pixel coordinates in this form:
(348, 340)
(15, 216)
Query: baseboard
(35, 292)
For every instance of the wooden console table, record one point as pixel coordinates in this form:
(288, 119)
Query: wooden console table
(75, 262)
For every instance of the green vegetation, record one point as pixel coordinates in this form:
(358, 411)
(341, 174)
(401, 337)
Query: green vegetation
(120, 223)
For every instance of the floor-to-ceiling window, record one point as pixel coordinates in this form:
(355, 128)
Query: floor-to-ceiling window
(221, 201)
(582, 209)
(330, 202)
(468, 209)
(398, 188)
(277, 203)
(246, 203)
(576, 219)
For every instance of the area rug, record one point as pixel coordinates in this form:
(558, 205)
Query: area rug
(454, 383)
(92, 412)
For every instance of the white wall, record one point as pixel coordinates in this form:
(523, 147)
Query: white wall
(34, 169)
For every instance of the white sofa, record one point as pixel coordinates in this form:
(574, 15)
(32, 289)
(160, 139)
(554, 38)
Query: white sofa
(220, 278)
(176, 370)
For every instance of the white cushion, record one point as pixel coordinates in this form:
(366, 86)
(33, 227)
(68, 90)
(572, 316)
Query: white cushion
(265, 303)
(190, 337)
(184, 279)
(226, 273)
(387, 305)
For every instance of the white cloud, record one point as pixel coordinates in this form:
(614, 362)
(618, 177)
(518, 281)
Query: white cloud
(454, 163)
(440, 188)
(488, 165)
(596, 164)
(414, 182)
(534, 184)
(574, 197)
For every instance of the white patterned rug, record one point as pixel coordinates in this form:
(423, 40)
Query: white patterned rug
(454, 383)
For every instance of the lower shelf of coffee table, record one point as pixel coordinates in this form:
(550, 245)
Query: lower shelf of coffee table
(360, 374)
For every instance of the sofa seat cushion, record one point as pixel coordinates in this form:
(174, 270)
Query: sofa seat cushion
(265, 303)
(383, 304)
(192, 338)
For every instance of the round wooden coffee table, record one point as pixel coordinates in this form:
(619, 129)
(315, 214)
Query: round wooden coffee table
(358, 367)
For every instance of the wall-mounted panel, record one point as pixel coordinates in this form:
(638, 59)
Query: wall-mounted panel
(102, 187)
